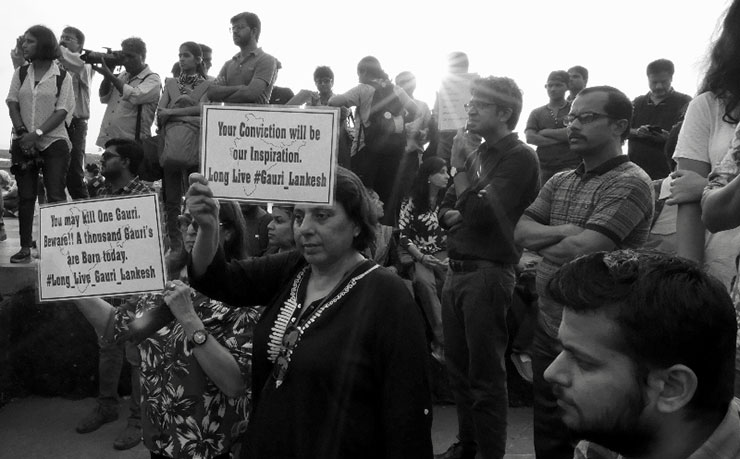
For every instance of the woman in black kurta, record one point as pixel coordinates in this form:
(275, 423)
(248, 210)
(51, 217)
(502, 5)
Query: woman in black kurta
(351, 378)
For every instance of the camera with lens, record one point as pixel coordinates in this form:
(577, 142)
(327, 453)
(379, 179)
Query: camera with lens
(112, 58)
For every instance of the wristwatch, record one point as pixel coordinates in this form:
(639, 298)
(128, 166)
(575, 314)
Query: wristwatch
(39, 132)
(199, 337)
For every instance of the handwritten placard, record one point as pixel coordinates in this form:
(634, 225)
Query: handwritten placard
(453, 94)
(102, 247)
(270, 153)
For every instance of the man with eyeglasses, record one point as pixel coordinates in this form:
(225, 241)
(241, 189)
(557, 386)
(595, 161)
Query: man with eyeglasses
(604, 204)
(546, 128)
(498, 181)
(119, 165)
(250, 75)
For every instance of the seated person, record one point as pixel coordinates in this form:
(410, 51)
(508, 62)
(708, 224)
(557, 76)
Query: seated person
(94, 180)
(9, 196)
(647, 361)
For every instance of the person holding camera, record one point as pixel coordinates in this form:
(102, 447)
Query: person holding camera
(39, 101)
(654, 115)
(131, 96)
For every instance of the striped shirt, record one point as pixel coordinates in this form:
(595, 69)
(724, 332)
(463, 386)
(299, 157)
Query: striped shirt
(614, 199)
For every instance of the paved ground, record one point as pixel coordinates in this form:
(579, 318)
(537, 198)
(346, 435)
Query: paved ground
(36, 427)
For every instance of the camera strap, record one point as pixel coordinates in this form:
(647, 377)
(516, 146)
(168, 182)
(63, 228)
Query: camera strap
(23, 73)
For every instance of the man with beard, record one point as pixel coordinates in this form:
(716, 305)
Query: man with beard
(120, 161)
(249, 76)
(647, 362)
(605, 203)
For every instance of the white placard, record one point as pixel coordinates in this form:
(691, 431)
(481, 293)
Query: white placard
(100, 247)
(265, 153)
(453, 94)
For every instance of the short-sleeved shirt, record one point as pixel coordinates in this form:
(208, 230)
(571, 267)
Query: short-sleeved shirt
(241, 70)
(614, 199)
(122, 109)
(648, 153)
(39, 101)
(705, 137)
(558, 157)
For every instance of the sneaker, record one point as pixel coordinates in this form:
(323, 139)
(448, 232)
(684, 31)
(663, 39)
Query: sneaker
(523, 365)
(3, 235)
(23, 256)
(97, 418)
(128, 438)
(456, 451)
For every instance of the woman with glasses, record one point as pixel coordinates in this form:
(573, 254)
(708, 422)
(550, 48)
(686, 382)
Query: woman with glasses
(178, 119)
(196, 370)
(340, 365)
(41, 99)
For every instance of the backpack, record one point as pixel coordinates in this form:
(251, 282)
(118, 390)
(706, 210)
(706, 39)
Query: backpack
(382, 134)
(23, 73)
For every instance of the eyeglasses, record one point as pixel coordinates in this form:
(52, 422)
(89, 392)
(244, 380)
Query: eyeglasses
(324, 80)
(67, 38)
(238, 28)
(584, 118)
(477, 105)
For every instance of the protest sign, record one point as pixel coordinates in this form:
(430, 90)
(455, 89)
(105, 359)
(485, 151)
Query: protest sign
(101, 247)
(270, 153)
(453, 94)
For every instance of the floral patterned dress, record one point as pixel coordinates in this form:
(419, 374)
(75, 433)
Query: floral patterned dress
(184, 414)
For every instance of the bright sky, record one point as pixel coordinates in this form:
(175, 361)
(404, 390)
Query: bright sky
(524, 40)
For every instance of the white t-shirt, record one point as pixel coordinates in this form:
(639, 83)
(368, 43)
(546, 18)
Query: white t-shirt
(706, 137)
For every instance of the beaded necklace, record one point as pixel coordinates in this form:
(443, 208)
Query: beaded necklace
(286, 333)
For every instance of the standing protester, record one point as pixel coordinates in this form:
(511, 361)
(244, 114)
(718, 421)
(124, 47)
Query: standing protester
(249, 76)
(71, 43)
(178, 119)
(646, 366)
(655, 113)
(546, 129)
(130, 97)
(577, 80)
(339, 363)
(120, 161)
(705, 137)
(40, 101)
(380, 136)
(606, 203)
(499, 180)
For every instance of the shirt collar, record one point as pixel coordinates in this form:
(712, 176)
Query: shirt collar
(725, 440)
(602, 168)
(240, 57)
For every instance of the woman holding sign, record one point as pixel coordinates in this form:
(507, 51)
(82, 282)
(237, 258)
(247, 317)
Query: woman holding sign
(339, 362)
(195, 371)
(178, 119)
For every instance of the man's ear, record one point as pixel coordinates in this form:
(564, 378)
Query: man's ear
(505, 114)
(622, 126)
(672, 387)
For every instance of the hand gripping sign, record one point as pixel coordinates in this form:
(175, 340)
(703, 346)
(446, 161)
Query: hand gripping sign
(276, 154)
(102, 247)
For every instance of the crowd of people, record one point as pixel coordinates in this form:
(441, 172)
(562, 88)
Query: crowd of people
(309, 330)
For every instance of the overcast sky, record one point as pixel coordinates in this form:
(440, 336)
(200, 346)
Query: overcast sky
(524, 39)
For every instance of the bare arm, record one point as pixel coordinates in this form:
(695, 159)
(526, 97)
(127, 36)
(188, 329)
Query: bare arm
(204, 210)
(536, 236)
(215, 360)
(587, 241)
(689, 226)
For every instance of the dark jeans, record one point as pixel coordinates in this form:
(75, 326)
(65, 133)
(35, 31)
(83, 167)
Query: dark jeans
(174, 186)
(551, 436)
(109, 372)
(77, 131)
(474, 307)
(54, 167)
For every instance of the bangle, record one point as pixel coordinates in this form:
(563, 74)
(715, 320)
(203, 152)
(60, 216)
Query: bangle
(18, 130)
